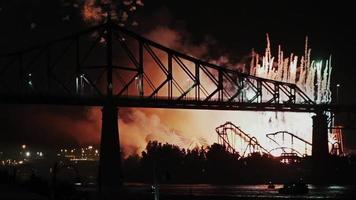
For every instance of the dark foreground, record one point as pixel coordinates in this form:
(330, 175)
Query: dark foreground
(193, 192)
(227, 192)
(179, 173)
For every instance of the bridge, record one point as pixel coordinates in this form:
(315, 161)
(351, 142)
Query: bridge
(112, 67)
(107, 60)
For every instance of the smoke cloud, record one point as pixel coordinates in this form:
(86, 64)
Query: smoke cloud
(189, 128)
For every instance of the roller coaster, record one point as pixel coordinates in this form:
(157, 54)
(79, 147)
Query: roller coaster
(293, 139)
(237, 141)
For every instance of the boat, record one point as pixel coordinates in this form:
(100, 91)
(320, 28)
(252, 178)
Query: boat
(295, 188)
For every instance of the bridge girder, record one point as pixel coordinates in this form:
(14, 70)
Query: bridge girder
(166, 103)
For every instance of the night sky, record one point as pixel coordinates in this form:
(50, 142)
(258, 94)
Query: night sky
(234, 27)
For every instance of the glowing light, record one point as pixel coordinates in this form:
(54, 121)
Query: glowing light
(28, 154)
(92, 13)
(33, 25)
(23, 146)
(301, 71)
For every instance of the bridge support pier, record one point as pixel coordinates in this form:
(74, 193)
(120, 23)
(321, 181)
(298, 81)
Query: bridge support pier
(110, 174)
(320, 137)
(320, 149)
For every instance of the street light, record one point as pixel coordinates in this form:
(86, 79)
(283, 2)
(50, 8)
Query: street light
(337, 93)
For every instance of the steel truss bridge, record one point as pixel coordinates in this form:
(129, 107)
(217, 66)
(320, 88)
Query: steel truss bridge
(108, 60)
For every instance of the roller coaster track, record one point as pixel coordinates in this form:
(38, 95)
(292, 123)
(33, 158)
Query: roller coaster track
(229, 133)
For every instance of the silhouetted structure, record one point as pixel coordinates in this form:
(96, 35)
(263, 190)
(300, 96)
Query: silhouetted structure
(215, 164)
(237, 141)
(110, 174)
(320, 150)
(293, 139)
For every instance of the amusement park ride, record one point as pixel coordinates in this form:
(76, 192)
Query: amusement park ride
(285, 143)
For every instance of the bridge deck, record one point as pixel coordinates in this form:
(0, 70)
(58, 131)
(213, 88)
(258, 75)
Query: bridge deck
(161, 102)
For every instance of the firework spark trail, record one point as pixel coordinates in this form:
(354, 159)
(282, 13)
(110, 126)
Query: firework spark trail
(313, 77)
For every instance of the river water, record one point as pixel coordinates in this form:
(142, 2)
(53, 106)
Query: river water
(200, 191)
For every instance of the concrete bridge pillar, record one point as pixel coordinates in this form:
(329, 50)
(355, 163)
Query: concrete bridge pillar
(320, 149)
(110, 172)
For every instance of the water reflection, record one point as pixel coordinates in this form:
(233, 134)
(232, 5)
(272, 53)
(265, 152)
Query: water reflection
(248, 191)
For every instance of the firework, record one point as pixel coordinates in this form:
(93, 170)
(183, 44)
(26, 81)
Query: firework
(311, 76)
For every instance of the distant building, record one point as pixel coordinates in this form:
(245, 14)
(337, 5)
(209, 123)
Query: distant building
(290, 158)
(20, 156)
(89, 153)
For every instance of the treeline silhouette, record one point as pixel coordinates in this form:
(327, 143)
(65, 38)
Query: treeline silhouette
(167, 163)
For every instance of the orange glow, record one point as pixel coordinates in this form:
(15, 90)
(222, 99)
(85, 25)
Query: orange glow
(182, 127)
(188, 128)
(92, 13)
